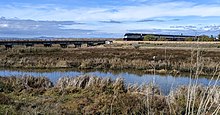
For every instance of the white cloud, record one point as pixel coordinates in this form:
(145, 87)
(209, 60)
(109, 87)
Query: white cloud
(18, 27)
(92, 16)
(105, 13)
(3, 25)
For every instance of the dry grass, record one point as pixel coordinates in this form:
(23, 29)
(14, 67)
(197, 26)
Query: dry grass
(166, 60)
(94, 95)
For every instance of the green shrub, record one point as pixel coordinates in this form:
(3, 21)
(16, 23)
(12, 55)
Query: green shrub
(150, 38)
(205, 38)
(162, 39)
(189, 39)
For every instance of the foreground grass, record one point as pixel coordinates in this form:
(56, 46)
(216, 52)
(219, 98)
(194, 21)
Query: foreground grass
(93, 95)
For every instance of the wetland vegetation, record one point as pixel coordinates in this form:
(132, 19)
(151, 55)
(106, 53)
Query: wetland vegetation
(100, 95)
(94, 95)
(165, 61)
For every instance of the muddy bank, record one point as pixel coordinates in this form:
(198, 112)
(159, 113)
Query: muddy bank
(172, 61)
(93, 95)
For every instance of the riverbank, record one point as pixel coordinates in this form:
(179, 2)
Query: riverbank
(93, 95)
(164, 61)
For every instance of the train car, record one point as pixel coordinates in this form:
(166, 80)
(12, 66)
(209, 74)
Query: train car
(140, 37)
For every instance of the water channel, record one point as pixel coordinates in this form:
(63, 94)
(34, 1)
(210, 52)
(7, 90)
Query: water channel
(164, 82)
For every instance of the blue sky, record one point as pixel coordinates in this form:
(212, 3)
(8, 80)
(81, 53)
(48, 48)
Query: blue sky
(107, 18)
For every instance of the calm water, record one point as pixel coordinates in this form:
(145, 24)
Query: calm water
(166, 83)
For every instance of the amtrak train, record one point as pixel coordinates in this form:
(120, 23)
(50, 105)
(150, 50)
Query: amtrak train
(140, 37)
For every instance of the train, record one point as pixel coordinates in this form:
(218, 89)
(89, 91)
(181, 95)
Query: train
(140, 37)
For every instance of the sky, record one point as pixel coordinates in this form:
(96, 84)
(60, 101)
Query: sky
(107, 18)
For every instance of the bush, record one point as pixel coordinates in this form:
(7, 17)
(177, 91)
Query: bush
(189, 39)
(150, 38)
(205, 38)
(162, 39)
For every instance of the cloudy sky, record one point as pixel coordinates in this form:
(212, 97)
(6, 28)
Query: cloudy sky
(107, 18)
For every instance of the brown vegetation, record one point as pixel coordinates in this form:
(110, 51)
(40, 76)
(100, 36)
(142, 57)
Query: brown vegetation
(166, 60)
(93, 95)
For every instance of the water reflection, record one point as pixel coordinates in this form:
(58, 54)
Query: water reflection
(165, 82)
